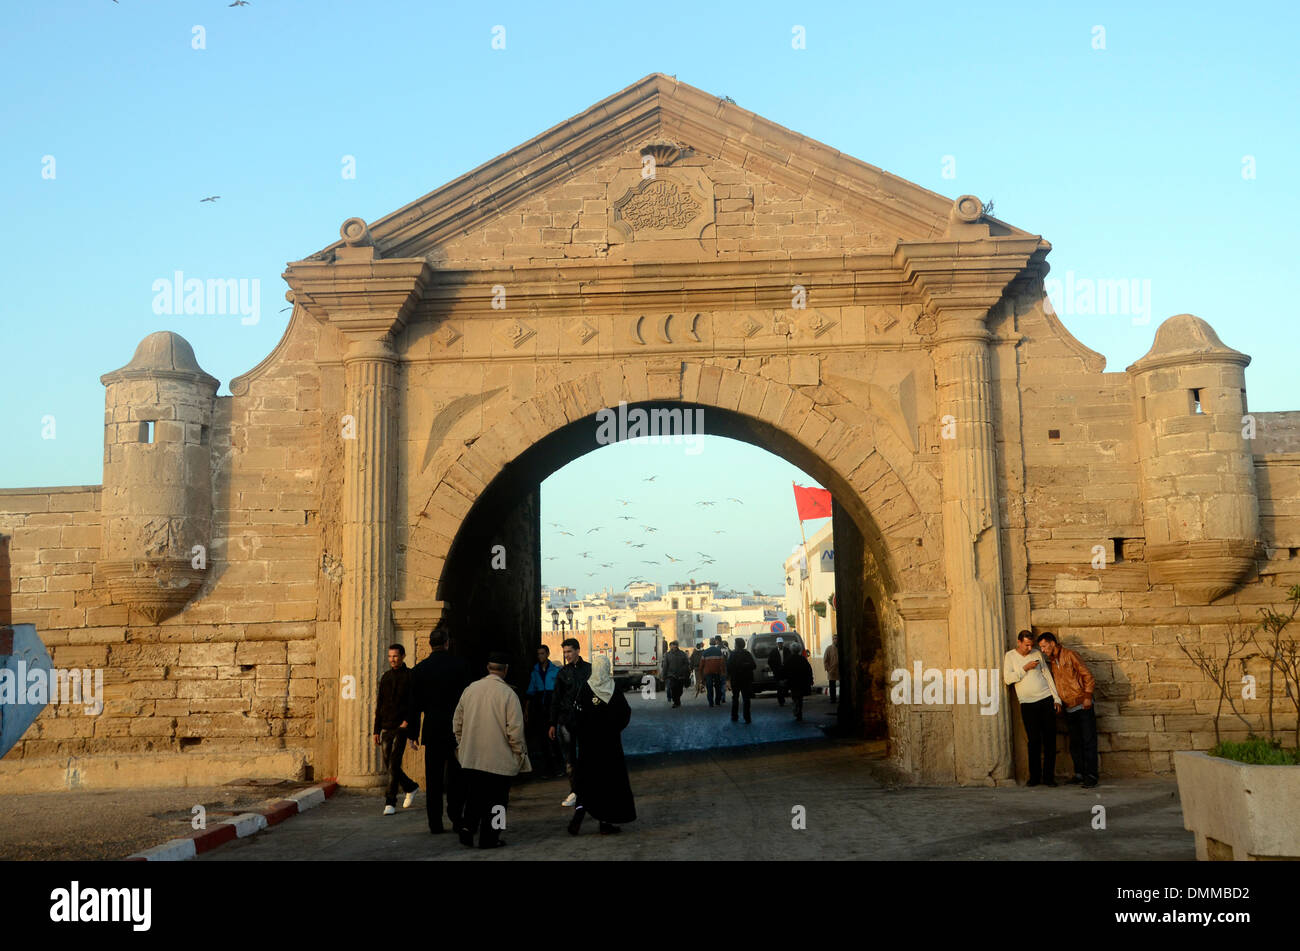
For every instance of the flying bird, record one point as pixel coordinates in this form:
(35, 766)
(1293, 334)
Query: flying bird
(719, 532)
(628, 518)
(649, 562)
(671, 558)
(584, 554)
(570, 534)
(209, 198)
(706, 503)
(639, 545)
(624, 501)
(596, 529)
(703, 554)
(238, 3)
(737, 501)
(651, 479)
(606, 564)
(649, 529)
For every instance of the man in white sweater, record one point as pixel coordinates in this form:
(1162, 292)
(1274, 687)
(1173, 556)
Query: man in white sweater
(1039, 704)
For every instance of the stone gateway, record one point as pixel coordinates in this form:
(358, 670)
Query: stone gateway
(249, 557)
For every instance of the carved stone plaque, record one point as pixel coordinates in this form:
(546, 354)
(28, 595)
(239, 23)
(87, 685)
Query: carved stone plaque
(675, 203)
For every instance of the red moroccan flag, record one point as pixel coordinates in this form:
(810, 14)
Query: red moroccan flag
(812, 503)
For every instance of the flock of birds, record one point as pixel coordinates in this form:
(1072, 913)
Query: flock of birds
(705, 558)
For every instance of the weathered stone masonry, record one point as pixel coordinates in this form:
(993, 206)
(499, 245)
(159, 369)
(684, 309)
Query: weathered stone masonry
(337, 493)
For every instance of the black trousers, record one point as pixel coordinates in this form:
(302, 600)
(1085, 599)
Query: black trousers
(1083, 742)
(1040, 732)
(484, 793)
(442, 774)
(393, 742)
(745, 693)
(544, 751)
(675, 686)
(798, 705)
(569, 752)
(831, 692)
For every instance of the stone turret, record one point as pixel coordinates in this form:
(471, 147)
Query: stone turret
(1200, 510)
(157, 498)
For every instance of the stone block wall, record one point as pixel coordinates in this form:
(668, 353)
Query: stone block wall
(231, 681)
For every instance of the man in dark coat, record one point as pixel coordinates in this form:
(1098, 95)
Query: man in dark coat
(568, 683)
(776, 663)
(799, 677)
(436, 685)
(603, 787)
(740, 671)
(677, 670)
(391, 727)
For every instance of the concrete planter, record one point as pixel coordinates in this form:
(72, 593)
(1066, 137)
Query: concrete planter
(1238, 810)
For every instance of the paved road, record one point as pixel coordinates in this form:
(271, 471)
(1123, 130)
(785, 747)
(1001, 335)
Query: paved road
(657, 727)
(738, 803)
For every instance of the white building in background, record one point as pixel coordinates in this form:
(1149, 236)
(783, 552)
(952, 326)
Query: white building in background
(696, 611)
(810, 581)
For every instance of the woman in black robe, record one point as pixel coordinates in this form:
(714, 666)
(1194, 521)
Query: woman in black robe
(600, 774)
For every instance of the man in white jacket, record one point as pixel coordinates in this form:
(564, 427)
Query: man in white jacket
(490, 745)
(1025, 667)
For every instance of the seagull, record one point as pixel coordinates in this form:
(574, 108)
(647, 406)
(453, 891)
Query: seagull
(649, 529)
(651, 479)
(706, 503)
(624, 501)
(671, 558)
(737, 501)
(209, 198)
(639, 545)
(702, 554)
(596, 529)
(649, 562)
(553, 524)
(283, 309)
(606, 564)
(719, 532)
(591, 574)
(570, 534)
(553, 558)
(584, 554)
(628, 518)
(238, 3)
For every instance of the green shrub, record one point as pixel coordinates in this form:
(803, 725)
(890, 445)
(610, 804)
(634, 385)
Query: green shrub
(1258, 751)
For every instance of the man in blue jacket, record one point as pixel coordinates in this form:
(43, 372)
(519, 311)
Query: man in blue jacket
(540, 695)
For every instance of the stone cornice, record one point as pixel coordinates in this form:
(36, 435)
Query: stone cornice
(964, 278)
(359, 297)
(763, 283)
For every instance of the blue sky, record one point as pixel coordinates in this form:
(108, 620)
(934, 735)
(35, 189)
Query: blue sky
(1129, 159)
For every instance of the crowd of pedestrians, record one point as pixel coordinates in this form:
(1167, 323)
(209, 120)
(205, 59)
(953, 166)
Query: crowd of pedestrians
(476, 737)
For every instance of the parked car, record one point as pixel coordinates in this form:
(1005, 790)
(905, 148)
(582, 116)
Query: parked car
(760, 645)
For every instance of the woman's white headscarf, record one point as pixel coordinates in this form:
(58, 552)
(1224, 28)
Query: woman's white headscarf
(600, 681)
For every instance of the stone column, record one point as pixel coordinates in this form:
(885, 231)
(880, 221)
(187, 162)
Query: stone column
(973, 558)
(368, 576)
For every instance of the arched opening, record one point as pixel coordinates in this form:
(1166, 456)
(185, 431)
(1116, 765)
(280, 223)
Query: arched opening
(492, 579)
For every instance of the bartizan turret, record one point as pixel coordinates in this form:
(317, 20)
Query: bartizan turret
(157, 497)
(1200, 510)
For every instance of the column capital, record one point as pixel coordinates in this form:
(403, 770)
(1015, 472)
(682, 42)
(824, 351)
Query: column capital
(959, 281)
(359, 293)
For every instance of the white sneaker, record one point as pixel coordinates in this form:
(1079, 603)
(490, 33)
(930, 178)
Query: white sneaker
(570, 800)
(410, 798)
(389, 811)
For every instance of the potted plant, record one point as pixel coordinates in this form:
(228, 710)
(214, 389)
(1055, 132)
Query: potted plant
(1239, 799)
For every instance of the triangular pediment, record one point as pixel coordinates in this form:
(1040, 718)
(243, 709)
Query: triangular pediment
(690, 129)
